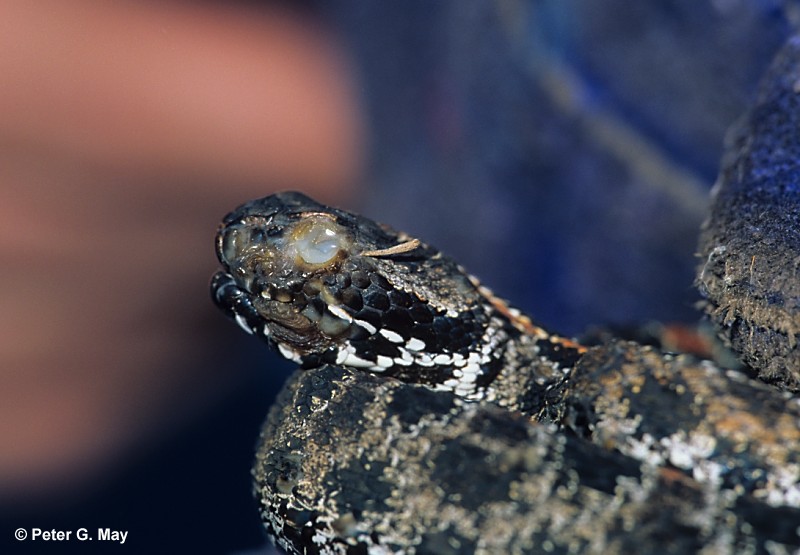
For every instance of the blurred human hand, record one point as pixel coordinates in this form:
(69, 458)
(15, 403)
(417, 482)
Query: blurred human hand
(127, 130)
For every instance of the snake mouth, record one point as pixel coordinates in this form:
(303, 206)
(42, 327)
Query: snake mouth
(292, 322)
(311, 319)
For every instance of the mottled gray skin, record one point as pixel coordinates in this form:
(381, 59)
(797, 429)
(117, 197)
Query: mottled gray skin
(615, 449)
(670, 456)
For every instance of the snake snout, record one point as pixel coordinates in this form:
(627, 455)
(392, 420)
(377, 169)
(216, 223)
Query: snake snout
(243, 239)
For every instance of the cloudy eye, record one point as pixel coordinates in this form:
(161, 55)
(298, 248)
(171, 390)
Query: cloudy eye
(319, 240)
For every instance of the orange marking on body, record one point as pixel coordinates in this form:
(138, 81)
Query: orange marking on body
(674, 476)
(568, 343)
(679, 338)
(522, 322)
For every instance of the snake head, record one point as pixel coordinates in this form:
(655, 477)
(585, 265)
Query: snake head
(323, 285)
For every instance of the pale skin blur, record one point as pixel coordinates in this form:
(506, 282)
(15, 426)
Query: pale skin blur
(127, 130)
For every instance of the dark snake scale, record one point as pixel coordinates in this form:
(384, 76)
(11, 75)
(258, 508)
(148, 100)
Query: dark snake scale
(429, 416)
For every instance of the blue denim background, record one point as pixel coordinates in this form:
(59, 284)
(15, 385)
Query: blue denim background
(562, 150)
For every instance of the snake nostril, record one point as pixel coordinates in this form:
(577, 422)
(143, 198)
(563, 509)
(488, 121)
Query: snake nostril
(228, 241)
(235, 240)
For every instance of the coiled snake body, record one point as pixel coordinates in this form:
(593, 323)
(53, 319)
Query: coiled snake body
(431, 417)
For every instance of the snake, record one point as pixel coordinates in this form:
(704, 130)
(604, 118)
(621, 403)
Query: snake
(428, 415)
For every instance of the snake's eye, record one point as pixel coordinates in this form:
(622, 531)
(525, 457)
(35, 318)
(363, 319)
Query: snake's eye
(318, 240)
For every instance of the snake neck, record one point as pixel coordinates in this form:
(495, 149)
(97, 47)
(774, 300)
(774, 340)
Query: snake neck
(536, 364)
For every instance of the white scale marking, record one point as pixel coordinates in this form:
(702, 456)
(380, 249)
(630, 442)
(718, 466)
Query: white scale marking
(340, 313)
(366, 325)
(442, 359)
(289, 353)
(384, 361)
(471, 373)
(424, 361)
(391, 336)
(348, 357)
(243, 324)
(353, 360)
(415, 344)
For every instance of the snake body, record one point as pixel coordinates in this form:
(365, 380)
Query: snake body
(429, 416)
